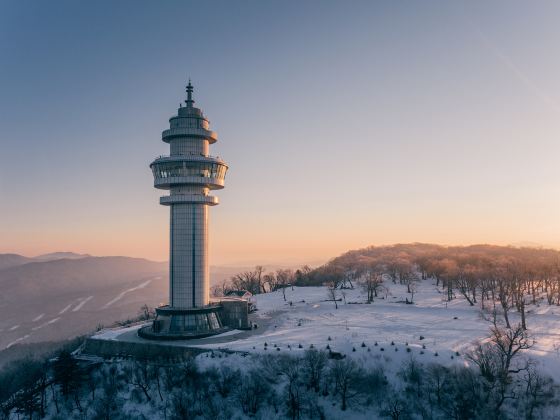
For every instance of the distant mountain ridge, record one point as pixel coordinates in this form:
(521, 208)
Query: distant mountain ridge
(63, 294)
(11, 260)
(44, 278)
(60, 255)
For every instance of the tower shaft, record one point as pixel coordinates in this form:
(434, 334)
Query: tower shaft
(188, 263)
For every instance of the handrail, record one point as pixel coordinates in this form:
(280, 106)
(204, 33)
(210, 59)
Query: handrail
(191, 154)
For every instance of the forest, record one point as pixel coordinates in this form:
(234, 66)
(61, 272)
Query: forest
(311, 384)
(499, 279)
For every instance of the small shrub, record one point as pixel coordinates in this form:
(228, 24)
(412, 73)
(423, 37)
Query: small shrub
(382, 349)
(363, 344)
(392, 343)
(329, 339)
(408, 350)
(353, 348)
(422, 337)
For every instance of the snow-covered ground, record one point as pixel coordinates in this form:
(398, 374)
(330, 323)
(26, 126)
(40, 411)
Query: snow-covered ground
(433, 329)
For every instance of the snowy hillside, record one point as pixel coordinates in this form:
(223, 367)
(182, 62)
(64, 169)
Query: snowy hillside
(307, 317)
(387, 359)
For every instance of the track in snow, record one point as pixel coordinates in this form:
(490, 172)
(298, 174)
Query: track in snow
(121, 295)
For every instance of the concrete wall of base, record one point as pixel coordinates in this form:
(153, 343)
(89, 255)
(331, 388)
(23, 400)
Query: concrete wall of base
(147, 350)
(235, 314)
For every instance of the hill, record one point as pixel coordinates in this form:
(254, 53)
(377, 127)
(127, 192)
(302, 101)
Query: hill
(12, 260)
(58, 296)
(60, 255)
(62, 298)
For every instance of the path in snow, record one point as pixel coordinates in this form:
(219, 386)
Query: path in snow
(121, 295)
(52, 321)
(38, 317)
(17, 341)
(82, 303)
(65, 308)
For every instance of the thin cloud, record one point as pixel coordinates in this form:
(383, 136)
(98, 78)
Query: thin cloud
(509, 63)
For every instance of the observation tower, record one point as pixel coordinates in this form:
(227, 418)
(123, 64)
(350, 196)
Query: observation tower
(189, 173)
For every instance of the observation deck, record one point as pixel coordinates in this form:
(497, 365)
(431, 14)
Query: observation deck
(199, 170)
(171, 133)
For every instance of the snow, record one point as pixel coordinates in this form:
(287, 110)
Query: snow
(17, 340)
(38, 317)
(82, 303)
(52, 321)
(121, 295)
(443, 328)
(65, 308)
(114, 333)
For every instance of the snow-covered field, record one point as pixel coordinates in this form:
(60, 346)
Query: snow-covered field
(433, 329)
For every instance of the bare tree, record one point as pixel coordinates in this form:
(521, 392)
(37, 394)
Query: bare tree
(314, 363)
(252, 392)
(495, 359)
(259, 270)
(138, 374)
(346, 377)
(539, 390)
(146, 313)
(437, 379)
(269, 279)
(284, 278)
(372, 282)
(466, 280)
(332, 293)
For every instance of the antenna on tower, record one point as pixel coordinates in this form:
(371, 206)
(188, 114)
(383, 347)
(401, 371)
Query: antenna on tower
(190, 100)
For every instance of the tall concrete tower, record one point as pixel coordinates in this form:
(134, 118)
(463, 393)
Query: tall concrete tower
(189, 173)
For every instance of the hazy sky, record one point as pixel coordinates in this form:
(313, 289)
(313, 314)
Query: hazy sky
(344, 123)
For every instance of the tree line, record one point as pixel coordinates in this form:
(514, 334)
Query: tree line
(499, 279)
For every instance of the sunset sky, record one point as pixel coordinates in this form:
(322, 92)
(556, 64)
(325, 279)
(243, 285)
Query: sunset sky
(345, 124)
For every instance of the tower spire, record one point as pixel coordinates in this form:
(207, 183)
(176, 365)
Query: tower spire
(190, 100)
